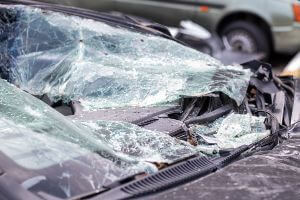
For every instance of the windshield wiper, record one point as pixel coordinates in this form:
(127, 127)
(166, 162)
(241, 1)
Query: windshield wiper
(172, 176)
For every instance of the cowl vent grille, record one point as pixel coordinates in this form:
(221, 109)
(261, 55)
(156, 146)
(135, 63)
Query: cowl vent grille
(167, 178)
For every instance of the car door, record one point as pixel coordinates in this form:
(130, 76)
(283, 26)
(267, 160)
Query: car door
(209, 12)
(167, 12)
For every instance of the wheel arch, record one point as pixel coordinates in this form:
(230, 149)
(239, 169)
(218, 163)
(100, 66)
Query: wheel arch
(250, 17)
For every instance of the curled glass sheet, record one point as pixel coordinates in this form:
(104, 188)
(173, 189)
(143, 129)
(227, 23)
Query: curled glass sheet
(231, 131)
(100, 65)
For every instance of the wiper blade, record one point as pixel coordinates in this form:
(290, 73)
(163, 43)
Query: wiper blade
(169, 177)
(211, 116)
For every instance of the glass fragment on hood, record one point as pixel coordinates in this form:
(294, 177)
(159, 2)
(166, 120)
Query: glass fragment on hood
(140, 143)
(231, 131)
(101, 65)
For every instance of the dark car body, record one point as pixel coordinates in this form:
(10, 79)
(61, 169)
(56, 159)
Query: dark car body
(79, 165)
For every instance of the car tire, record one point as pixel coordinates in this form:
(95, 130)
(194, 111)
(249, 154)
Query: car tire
(246, 36)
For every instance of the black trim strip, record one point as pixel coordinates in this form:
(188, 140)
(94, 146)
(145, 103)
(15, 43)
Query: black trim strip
(192, 3)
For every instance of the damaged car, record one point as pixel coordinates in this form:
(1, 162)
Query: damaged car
(94, 106)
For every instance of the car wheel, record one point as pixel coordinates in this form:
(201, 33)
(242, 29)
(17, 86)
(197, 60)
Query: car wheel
(247, 37)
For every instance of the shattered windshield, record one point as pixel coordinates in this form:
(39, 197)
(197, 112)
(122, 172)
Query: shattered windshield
(100, 65)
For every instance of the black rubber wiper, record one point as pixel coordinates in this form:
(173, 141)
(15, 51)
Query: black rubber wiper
(204, 118)
(211, 116)
(150, 116)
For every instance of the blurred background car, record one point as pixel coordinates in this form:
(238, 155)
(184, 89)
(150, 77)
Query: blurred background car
(199, 38)
(210, 43)
(248, 25)
(293, 67)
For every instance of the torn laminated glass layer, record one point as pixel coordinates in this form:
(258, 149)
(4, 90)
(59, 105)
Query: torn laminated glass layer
(228, 132)
(100, 65)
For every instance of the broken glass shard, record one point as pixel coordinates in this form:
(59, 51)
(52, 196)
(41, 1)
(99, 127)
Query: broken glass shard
(139, 143)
